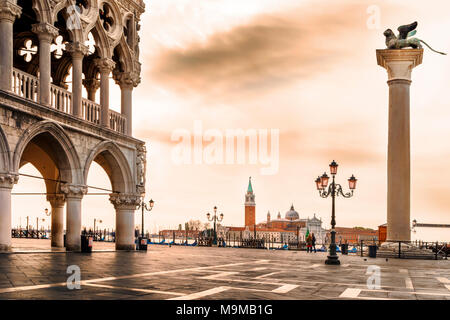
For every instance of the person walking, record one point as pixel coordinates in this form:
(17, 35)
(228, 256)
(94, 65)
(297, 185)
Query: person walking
(313, 243)
(309, 243)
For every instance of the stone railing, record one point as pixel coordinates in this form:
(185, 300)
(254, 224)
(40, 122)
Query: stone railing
(25, 85)
(91, 111)
(117, 121)
(60, 99)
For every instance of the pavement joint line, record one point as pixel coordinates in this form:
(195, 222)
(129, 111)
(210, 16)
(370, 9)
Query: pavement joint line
(443, 280)
(201, 294)
(403, 271)
(268, 274)
(219, 275)
(258, 269)
(132, 289)
(409, 284)
(285, 288)
(447, 286)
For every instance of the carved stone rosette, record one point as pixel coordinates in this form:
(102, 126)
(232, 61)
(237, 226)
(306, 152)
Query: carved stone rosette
(125, 201)
(73, 190)
(8, 180)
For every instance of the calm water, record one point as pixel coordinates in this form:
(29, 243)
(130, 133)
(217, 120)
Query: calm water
(431, 234)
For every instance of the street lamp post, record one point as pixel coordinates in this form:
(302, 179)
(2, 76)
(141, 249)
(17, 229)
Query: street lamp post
(215, 219)
(99, 221)
(144, 208)
(334, 190)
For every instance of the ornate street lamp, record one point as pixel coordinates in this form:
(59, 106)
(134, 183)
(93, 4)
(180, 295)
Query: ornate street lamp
(144, 207)
(333, 191)
(47, 213)
(215, 219)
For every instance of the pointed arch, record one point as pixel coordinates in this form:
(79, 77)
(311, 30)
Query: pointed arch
(109, 156)
(51, 140)
(5, 162)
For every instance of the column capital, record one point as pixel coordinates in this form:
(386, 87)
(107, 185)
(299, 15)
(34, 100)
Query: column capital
(91, 84)
(77, 49)
(127, 80)
(9, 11)
(125, 201)
(105, 65)
(56, 200)
(8, 180)
(45, 31)
(399, 62)
(73, 190)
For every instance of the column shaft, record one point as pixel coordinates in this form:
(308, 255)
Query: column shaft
(73, 224)
(5, 219)
(77, 89)
(104, 97)
(57, 227)
(127, 107)
(125, 229)
(6, 54)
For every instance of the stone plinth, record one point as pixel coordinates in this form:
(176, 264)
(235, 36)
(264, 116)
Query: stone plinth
(399, 65)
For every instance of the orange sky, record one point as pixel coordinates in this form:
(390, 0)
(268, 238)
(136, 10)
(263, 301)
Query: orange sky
(306, 68)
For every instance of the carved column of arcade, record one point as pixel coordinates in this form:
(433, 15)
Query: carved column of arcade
(105, 66)
(46, 33)
(57, 202)
(126, 82)
(74, 194)
(78, 51)
(7, 182)
(125, 205)
(9, 11)
(91, 86)
(399, 65)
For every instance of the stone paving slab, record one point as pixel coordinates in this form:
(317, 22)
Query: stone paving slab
(217, 273)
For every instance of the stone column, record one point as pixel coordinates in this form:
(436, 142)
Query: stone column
(126, 83)
(125, 205)
(105, 66)
(74, 195)
(78, 51)
(91, 85)
(46, 33)
(9, 11)
(7, 182)
(399, 65)
(57, 202)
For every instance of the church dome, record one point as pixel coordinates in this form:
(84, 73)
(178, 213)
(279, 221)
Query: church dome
(292, 214)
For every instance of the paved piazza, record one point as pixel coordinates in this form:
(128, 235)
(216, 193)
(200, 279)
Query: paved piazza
(188, 273)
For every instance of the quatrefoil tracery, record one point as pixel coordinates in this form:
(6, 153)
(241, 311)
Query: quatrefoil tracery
(28, 50)
(106, 17)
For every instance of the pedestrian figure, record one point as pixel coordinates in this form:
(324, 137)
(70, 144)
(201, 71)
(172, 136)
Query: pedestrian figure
(313, 242)
(309, 243)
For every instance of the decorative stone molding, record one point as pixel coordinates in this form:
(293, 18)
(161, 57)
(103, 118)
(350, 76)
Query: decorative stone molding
(125, 201)
(56, 200)
(127, 79)
(8, 180)
(399, 63)
(105, 65)
(45, 31)
(73, 190)
(9, 11)
(141, 168)
(77, 49)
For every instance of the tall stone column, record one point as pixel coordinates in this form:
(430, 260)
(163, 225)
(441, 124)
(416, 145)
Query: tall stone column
(125, 206)
(7, 182)
(9, 11)
(78, 51)
(105, 66)
(46, 33)
(399, 65)
(57, 202)
(74, 195)
(126, 82)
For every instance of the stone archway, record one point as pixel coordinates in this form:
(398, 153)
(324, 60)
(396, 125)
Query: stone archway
(124, 197)
(49, 149)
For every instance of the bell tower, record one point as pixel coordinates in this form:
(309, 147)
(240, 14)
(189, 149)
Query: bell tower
(250, 205)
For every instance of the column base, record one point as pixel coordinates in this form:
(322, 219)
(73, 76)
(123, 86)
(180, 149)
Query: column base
(126, 247)
(332, 260)
(74, 248)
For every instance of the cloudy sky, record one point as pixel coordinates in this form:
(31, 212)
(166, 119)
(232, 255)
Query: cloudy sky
(305, 68)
